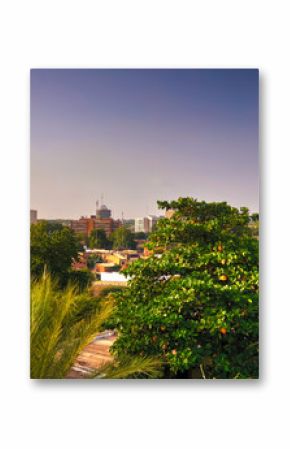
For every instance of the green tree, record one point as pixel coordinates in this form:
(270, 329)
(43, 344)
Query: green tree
(123, 238)
(83, 240)
(194, 302)
(63, 323)
(52, 246)
(82, 279)
(140, 235)
(255, 217)
(254, 225)
(92, 260)
(98, 239)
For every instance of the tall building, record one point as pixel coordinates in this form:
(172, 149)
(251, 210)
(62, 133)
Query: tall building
(145, 224)
(80, 226)
(152, 222)
(102, 212)
(33, 216)
(142, 224)
(102, 220)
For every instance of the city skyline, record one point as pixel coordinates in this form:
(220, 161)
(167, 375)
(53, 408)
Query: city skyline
(138, 136)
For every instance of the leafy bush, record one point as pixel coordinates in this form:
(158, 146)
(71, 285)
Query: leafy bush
(92, 260)
(194, 302)
(81, 279)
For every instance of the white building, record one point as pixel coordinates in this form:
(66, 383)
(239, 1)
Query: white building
(145, 224)
(113, 277)
(152, 221)
(142, 225)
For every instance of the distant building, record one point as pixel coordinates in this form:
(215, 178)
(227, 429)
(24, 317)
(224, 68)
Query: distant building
(116, 258)
(99, 252)
(152, 222)
(103, 212)
(113, 277)
(85, 225)
(142, 225)
(33, 216)
(105, 267)
(80, 226)
(146, 224)
(102, 220)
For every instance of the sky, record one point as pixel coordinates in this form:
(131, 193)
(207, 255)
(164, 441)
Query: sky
(133, 137)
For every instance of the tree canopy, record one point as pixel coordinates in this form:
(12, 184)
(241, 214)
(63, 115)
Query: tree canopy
(140, 235)
(123, 238)
(98, 239)
(194, 301)
(53, 247)
(255, 217)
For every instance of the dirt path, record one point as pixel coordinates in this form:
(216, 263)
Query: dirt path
(93, 356)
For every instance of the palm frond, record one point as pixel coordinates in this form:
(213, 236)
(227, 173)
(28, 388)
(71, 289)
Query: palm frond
(130, 367)
(58, 334)
(63, 322)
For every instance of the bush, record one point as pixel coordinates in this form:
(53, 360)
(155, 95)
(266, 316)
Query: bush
(80, 278)
(92, 260)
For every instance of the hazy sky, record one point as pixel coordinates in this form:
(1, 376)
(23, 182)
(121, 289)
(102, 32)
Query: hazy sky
(137, 136)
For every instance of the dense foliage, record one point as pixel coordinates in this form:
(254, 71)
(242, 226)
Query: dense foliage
(123, 238)
(140, 236)
(92, 260)
(82, 279)
(255, 217)
(194, 301)
(63, 322)
(53, 247)
(98, 239)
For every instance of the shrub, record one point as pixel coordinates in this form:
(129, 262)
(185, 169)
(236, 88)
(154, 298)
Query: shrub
(80, 278)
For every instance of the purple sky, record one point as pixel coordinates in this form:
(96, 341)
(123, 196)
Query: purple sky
(137, 136)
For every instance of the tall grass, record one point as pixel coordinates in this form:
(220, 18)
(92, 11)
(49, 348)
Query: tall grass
(57, 337)
(63, 322)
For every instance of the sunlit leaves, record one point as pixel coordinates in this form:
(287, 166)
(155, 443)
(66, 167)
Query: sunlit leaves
(199, 300)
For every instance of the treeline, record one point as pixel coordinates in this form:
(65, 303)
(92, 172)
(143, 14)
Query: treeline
(121, 238)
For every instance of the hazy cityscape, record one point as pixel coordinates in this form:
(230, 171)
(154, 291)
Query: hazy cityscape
(103, 220)
(112, 261)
